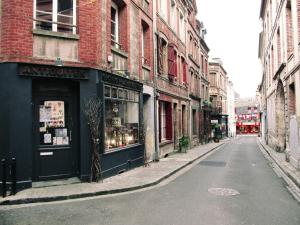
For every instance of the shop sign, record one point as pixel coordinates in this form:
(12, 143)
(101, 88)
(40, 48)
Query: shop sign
(214, 121)
(53, 72)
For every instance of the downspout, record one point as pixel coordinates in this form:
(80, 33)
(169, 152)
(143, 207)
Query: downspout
(156, 95)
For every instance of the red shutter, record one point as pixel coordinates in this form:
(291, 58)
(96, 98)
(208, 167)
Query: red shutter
(175, 63)
(159, 121)
(184, 71)
(171, 66)
(169, 129)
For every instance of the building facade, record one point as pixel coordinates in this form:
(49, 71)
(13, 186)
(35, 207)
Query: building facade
(54, 57)
(171, 73)
(218, 97)
(247, 116)
(231, 110)
(279, 55)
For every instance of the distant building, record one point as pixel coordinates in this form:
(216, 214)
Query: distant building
(218, 96)
(247, 116)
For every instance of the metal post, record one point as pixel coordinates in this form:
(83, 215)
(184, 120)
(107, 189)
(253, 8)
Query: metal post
(3, 164)
(13, 176)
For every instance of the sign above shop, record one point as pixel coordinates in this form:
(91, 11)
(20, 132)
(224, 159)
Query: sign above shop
(52, 71)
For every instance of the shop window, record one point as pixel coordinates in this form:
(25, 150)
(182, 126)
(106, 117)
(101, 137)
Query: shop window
(55, 15)
(121, 117)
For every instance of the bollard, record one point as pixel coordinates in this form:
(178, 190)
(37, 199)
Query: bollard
(13, 176)
(3, 165)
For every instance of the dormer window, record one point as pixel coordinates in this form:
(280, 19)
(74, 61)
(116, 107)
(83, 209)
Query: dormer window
(55, 15)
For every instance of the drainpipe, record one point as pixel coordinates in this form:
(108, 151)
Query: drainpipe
(156, 95)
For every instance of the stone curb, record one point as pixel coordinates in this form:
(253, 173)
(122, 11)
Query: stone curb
(106, 192)
(283, 168)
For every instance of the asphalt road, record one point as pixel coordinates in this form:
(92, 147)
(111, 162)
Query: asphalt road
(261, 197)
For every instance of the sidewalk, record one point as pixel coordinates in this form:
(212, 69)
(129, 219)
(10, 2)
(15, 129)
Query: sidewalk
(285, 166)
(137, 178)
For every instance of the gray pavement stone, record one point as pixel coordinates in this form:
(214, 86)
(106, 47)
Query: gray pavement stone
(134, 179)
(285, 166)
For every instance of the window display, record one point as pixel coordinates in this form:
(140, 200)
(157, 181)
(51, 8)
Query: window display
(52, 123)
(121, 117)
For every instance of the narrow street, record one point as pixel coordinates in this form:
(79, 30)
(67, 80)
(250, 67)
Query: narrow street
(256, 195)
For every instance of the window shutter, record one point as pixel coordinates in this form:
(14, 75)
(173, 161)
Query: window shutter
(171, 66)
(159, 56)
(184, 66)
(169, 129)
(175, 62)
(159, 121)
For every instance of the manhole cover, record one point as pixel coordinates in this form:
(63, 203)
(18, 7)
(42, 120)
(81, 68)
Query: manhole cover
(213, 163)
(223, 191)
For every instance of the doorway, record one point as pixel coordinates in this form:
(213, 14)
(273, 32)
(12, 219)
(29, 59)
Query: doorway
(55, 152)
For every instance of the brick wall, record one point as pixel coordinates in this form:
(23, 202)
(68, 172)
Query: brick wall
(16, 29)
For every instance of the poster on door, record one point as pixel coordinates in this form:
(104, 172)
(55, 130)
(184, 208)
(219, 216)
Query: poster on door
(52, 114)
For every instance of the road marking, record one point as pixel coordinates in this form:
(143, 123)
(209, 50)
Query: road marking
(223, 191)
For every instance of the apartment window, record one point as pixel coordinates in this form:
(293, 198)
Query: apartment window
(173, 15)
(289, 29)
(55, 15)
(292, 99)
(162, 57)
(181, 26)
(278, 48)
(163, 6)
(202, 64)
(165, 121)
(183, 66)
(172, 61)
(114, 25)
(145, 41)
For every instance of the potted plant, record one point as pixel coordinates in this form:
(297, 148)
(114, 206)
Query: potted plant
(183, 143)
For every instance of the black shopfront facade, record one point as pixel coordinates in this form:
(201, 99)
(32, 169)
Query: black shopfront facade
(44, 128)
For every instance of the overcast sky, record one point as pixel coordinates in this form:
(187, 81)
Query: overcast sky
(232, 34)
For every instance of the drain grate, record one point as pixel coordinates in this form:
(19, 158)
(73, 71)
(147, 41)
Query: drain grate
(213, 163)
(223, 191)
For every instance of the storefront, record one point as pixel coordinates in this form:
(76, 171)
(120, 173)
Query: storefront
(122, 141)
(248, 127)
(44, 127)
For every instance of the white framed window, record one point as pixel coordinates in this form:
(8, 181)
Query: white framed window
(173, 15)
(181, 26)
(55, 15)
(163, 122)
(163, 6)
(114, 31)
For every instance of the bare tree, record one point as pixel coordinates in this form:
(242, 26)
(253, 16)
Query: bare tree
(92, 110)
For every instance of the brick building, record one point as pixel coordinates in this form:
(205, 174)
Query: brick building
(218, 96)
(172, 73)
(54, 56)
(280, 86)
